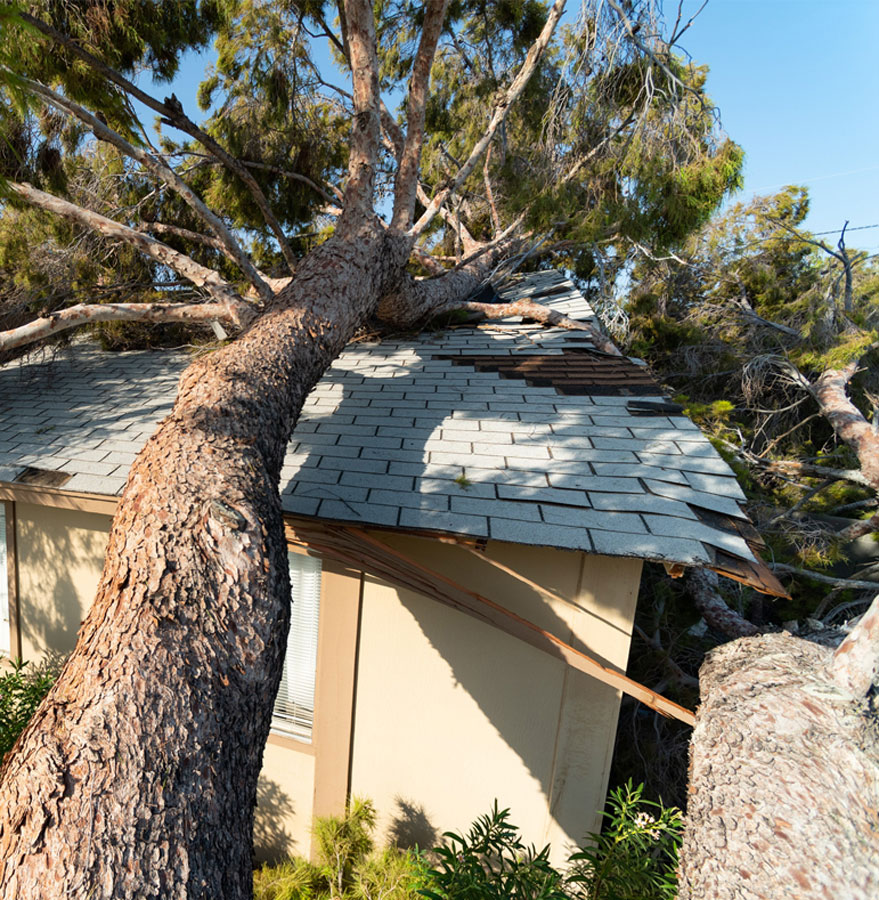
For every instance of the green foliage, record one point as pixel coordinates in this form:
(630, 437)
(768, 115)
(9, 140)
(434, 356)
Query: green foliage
(490, 862)
(293, 879)
(343, 843)
(635, 856)
(347, 866)
(632, 859)
(21, 692)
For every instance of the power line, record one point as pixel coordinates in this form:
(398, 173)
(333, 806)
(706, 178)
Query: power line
(837, 230)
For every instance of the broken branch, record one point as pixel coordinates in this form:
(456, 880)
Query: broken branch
(199, 275)
(237, 314)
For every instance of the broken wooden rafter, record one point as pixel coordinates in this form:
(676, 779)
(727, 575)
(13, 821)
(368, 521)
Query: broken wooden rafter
(364, 551)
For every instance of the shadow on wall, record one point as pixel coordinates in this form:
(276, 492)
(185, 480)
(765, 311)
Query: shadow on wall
(60, 557)
(522, 702)
(410, 828)
(273, 808)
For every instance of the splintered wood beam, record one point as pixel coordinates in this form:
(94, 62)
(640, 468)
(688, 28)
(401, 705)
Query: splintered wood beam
(355, 547)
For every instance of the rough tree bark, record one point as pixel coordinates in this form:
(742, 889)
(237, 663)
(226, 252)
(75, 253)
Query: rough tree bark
(784, 771)
(137, 776)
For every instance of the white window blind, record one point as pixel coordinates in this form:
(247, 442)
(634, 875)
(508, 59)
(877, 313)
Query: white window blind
(4, 587)
(294, 705)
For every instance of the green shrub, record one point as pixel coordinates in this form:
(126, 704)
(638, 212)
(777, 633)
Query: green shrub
(344, 843)
(347, 866)
(492, 863)
(20, 694)
(293, 879)
(635, 857)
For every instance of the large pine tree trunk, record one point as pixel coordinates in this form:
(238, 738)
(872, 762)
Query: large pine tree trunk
(784, 776)
(137, 778)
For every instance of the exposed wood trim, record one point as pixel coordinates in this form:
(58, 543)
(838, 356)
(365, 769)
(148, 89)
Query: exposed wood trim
(60, 499)
(361, 550)
(12, 581)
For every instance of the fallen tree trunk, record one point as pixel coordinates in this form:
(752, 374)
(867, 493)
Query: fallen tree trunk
(784, 772)
(138, 774)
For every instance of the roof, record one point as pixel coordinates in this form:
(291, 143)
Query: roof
(514, 432)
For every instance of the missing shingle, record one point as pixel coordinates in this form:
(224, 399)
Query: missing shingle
(573, 372)
(43, 477)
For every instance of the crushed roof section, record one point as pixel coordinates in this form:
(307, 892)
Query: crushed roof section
(416, 434)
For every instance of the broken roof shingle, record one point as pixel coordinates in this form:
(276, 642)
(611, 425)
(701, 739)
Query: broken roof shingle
(429, 434)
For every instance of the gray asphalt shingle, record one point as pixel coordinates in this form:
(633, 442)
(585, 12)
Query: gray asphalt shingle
(398, 434)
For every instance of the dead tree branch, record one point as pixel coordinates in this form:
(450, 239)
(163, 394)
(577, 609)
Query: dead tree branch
(199, 275)
(237, 314)
(704, 588)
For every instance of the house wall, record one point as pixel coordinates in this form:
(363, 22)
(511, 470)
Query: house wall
(60, 554)
(427, 711)
(452, 714)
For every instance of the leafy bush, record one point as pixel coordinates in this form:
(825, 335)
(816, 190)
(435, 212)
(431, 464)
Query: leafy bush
(492, 863)
(635, 857)
(20, 694)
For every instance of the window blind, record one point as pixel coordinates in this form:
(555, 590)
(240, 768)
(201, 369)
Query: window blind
(294, 705)
(4, 587)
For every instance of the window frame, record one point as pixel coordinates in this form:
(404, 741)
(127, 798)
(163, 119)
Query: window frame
(278, 729)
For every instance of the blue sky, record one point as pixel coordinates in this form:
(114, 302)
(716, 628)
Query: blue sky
(797, 85)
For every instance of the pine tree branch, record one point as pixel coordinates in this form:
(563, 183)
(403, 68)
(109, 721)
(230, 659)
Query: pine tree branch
(859, 528)
(847, 421)
(358, 34)
(498, 116)
(177, 119)
(199, 275)
(450, 218)
(329, 192)
(489, 192)
(852, 583)
(194, 236)
(161, 170)
(408, 164)
(809, 470)
(703, 587)
(536, 311)
(237, 314)
(855, 664)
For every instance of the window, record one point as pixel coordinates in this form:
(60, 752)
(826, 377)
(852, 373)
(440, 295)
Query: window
(294, 705)
(4, 586)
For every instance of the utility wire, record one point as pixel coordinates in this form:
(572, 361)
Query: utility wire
(837, 230)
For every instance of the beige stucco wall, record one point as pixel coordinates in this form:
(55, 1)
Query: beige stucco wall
(282, 824)
(452, 714)
(60, 555)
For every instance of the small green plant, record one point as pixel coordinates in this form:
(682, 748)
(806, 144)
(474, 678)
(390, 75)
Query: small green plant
(492, 863)
(463, 482)
(292, 879)
(344, 843)
(347, 866)
(635, 857)
(21, 692)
